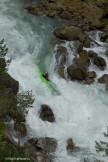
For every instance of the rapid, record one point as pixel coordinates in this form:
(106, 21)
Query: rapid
(81, 111)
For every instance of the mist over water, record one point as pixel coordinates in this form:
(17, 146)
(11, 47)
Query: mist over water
(81, 111)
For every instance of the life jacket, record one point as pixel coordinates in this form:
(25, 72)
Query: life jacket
(45, 75)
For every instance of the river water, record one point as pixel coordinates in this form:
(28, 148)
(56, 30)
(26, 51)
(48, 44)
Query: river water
(81, 111)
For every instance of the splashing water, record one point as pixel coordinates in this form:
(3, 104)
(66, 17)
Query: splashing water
(80, 111)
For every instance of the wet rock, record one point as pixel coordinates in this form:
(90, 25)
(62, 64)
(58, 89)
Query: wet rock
(80, 48)
(71, 146)
(103, 79)
(77, 71)
(66, 15)
(6, 81)
(106, 53)
(67, 33)
(60, 71)
(83, 56)
(46, 114)
(56, 41)
(84, 39)
(104, 36)
(89, 81)
(91, 74)
(99, 62)
(61, 55)
(106, 87)
(20, 128)
(92, 53)
(39, 148)
(47, 144)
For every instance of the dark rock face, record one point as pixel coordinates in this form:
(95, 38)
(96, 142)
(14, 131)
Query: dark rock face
(71, 146)
(6, 81)
(47, 144)
(71, 33)
(103, 79)
(83, 56)
(61, 54)
(106, 87)
(67, 33)
(78, 70)
(20, 128)
(46, 113)
(91, 54)
(99, 62)
(89, 81)
(80, 48)
(38, 148)
(104, 36)
(60, 71)
(91, 74)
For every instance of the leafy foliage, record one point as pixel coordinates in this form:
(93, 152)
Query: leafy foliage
(102, 146)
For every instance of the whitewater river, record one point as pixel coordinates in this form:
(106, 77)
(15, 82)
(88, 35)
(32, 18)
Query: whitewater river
(81, 111)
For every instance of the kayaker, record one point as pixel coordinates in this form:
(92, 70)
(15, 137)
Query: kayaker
(46, 76)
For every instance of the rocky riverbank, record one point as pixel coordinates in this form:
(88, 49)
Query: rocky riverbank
(93, 14)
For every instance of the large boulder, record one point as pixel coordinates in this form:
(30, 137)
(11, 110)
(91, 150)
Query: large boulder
(69, 33)
(46, 114)
(84, 39)
(71, 146)
(99, 62)
(6, 81)
(103, 79)
(78, 69)
(83, 56)
(91, 74)
(92, 54)
(39, 148)
(20, 128)
(104, 36)
(47, 144)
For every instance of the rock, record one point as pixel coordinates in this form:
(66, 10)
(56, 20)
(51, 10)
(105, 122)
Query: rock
(99, 62)
(67, 33)
(46, 113)
(20, 128)
(84, 39)
(106, 87)
(61, 55)
(2, 66)
(92, 53)
(56, 41)
(39, 148)
(103, 79)
(6, 81)
(89, 81)
(71, 146)
(80, 48)
(104, 36)
(87, 43)
(66, 15)
(91, 74)
(47, 144)
(60, 71)
(83, 56)
(77, 71)
(106, 53)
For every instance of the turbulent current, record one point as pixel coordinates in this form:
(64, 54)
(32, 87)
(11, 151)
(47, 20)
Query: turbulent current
(81, 111)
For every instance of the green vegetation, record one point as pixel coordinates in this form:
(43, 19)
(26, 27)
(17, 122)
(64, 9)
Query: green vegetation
(14, 104)
(105, 21)
(102, 146)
